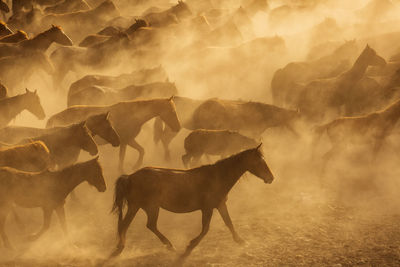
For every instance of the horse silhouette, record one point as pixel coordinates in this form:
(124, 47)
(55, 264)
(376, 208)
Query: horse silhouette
(204, 188)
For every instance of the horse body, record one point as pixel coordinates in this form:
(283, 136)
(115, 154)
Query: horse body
(34, 156)
(204, 188)
(127, 119)
(46, 190)
(214, 142)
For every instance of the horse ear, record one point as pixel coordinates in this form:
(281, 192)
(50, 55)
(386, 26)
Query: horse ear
(27, 90)
(171, 98)
(259, 146)
(96, 158)
(108, 115)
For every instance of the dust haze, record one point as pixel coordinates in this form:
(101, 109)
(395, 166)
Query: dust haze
(330, 204)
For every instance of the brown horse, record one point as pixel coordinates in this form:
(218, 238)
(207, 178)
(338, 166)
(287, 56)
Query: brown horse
(136, 77)
(47, 190)
(66, 141)
(98, 125)
(324, 98)
(41, 42)
(204, 188)
(10, 107)
(14, 38)
(95, 95)
(34, 156)
(127, 119)
(67, 6)
(214, 142)
(368, 131)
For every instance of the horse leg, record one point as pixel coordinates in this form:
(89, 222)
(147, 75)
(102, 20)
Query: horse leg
(196, 160)
(140, 149)
(122, 152)
(47, 212)
(61, 217)
(186, 159)
(223, 211)
(152, 217)
(166, 139)
(123, 226)
(206, 219)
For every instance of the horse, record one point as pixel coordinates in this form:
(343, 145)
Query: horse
(96, 95)
(4, 30)
(123, 80)
(248, 117)
(10, 107)
(369, 131)
(214, 142)
(33, 156)
(66, 142)
(322, 98)
(40, 42)
(46, 189)
(67, 6)
(14, 70)
(99, 126)
(284, 83)
(160, 19)
(14, 38)
(127, 119)
(181, 191)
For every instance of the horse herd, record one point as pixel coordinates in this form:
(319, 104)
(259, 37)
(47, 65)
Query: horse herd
(39, 165)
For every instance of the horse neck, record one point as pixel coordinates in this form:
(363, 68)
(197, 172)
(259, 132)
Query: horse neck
(70, 177)
(40, 42)
(15, 105)
(230, 170)
(147, 109)
(358, 69)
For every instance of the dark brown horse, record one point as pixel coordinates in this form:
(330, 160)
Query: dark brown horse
(10, 107)
(14, 38)
(96, 95)
(181, 191)
(127, 119)
(66, 141)
(47, 190)
(214, 142)
(34, 156)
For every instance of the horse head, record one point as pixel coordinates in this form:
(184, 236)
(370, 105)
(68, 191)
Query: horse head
(257, 166)
(94, 175)
(101, 126)
(169, 115)
(85, 138)
(372, 58)
(33, 104)
(181, 10)
(59, 36)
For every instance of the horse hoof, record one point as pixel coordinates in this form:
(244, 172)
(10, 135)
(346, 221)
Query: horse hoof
(116, 252)
(240, 241)
(171, 248)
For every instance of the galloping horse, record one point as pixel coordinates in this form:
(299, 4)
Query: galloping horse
(14, 38)
(47, 190)
(325, 97)
(34, 156)
(127, 119)
(10, 107)
(204, 188)
(95, 95)
(369, 130)
(66, 141)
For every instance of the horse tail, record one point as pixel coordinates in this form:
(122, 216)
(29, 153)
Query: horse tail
(120, 196)
(158, 130)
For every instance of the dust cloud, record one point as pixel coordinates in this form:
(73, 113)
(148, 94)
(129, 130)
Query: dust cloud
(319, 211)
